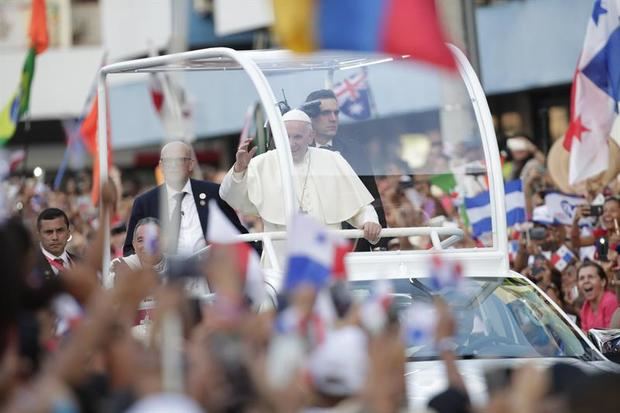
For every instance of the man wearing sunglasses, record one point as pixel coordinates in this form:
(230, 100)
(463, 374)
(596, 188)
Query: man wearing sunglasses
(185, 200)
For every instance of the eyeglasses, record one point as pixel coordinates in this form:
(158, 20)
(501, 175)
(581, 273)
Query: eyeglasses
(174, 161)
(330, 112)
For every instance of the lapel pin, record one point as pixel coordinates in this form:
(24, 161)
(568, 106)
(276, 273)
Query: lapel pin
(202, 196)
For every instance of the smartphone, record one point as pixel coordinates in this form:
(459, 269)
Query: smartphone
(538, 233)
(539, 265)
(602, 249)
(596, 210)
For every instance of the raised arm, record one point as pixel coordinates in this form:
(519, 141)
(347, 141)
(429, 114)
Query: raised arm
(234, 187)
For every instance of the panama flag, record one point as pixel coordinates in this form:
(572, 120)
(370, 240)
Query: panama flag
(310, 254)
(445, 274)
(354, 96)
(595, 93)
(220, 231)
(562, 258)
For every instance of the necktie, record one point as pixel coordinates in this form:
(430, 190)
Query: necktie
(57, 263)
(175, 223)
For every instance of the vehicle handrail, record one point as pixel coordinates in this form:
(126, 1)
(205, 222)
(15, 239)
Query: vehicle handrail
(455, 235)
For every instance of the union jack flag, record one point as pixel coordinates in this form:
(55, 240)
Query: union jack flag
(353, 96)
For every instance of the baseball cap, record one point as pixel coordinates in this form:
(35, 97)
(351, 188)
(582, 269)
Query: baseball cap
(518, 144)
(338, 366)
(541, 215)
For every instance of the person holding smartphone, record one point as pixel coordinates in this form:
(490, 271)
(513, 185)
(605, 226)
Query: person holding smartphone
(608, 223)
(545, 237)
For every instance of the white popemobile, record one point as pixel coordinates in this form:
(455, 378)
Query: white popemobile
(424, 126)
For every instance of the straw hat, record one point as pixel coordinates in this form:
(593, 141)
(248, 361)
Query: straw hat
(557, 164)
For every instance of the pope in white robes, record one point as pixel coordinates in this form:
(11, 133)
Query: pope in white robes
(326, 186)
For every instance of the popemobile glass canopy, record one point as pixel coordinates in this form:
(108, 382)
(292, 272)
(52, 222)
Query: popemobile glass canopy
(419, 139)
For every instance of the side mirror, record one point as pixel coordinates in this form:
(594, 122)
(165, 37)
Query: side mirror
(608, 343)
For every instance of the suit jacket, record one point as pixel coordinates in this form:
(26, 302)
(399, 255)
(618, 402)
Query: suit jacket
(354, 153)
(147, 205)
(44, 268)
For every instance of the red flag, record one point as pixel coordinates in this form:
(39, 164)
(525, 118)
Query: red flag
(341, 248)
(39, 38)
(401, 27)
(412, 27)
(88, 130)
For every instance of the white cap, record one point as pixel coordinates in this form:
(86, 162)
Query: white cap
(296, 114)
(338, 366)
(541, 215)
(518, 144)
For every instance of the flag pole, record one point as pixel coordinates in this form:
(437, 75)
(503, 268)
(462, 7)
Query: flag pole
(102, 154)
(371, 98)
(329, 79)
(75, 131)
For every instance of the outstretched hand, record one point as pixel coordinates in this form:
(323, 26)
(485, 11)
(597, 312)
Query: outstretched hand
(243, 156)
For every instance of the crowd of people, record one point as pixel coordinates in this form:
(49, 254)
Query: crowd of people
(74, 339)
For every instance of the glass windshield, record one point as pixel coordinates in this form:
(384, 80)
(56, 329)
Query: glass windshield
(496, 318)
(408, 132)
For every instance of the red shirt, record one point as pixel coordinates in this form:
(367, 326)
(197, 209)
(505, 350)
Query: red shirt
(602, 317)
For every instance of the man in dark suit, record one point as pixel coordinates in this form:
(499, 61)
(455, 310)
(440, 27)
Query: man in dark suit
(322, 107)
(54, 233)
(185, 203)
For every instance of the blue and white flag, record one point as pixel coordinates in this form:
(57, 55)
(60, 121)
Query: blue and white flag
(353, 96)
(310, 254)
(563, 207)
(595, 93)
(479, 208)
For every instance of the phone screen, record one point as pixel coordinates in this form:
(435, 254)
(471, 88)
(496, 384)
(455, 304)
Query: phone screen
(596, 210)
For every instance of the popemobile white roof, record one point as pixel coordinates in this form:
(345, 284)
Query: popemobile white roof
(491, 261)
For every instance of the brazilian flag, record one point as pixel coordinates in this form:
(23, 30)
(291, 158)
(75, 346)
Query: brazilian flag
(20, 102)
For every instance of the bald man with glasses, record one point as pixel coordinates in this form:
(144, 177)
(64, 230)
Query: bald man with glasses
(185, 200)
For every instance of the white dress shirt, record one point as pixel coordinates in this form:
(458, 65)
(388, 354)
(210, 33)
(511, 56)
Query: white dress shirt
(191, 238)
(320, 145)
(51, 257)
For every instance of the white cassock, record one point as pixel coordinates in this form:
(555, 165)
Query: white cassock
(326, 187)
